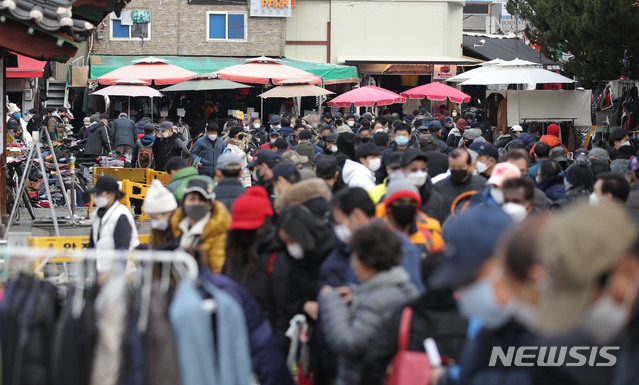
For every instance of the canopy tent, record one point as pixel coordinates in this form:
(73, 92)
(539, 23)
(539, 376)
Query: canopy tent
(366, 97)
(331, 73)
(437, 91)
(149, 70)
(199, 84)
(27, 68)
(267, 71)
(517, 75)
(485, 67)
(295, 91)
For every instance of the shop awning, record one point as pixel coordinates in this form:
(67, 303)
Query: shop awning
(331, 73)
(505, 49)
(27, 68)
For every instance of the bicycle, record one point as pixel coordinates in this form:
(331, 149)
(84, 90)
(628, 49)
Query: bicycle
(14, 170)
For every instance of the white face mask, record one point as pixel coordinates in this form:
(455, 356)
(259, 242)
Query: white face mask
(526, 313)
(351, 123)
(454, 113)
(626, 143)
(497, 195)
(160, 224)
(165, 135)
(212, 136)
(101, 202)
(516, 211)
(606, 318)
(256, 126)
(295, 250)
(332, 148)
(481, 167)
(343, 233)
(479, 300)
(417, 178)
(375, 164)
(594, 199)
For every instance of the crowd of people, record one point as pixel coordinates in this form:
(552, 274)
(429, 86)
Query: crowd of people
(492, 242)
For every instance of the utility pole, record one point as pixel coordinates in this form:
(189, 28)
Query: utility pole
(3, 124)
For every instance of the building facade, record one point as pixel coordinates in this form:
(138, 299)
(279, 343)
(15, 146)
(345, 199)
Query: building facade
(190, 28)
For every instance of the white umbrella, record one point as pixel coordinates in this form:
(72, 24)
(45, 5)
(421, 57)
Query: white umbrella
(130, 88)
(295, 91)
(489, 66)
(516, 75)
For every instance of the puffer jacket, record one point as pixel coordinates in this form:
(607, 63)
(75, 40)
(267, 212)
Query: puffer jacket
(213, 241)
(182, 178)
(356, 174)
(238, 147)
(209, 152)
(350, 332)
(124, 132)
(98, 142)
(552, 142)
(553, 187)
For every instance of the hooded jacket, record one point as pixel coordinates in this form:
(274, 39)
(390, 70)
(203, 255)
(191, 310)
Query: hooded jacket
(163, 150)
(552, 142)
(213, 240)
(302, 192)
(124, 132)
(209, 152)
(145, 141)
(356, 174)
(98, 142)
(182, 178)
(553, 187)
(349, 331)
(238, 147)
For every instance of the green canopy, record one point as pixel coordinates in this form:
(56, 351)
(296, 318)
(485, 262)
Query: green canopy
(331, 73)
(205, 85)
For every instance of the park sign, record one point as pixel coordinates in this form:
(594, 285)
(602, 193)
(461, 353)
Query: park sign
(271, 8)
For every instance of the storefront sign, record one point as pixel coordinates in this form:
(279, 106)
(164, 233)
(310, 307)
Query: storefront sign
(443, 72)
(271, 8)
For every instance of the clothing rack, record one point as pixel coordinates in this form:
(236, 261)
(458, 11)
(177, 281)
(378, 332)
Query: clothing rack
(43, 256)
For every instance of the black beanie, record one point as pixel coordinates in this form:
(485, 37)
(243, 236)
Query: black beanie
(580, 174)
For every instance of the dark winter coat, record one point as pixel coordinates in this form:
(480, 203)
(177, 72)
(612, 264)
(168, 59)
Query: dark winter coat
(437, 163)
(553, 187)
(633, 201)
(228, 190)
(435, 316)
(574, 196)
(123, 132)
(163, 150)
(98, 142)
(209, 152)
(441, 146)
(381, 174)
(269, 364)
(450, 191)
(528, 139)
(433, 203)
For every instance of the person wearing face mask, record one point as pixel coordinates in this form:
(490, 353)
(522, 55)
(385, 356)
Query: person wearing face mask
(349, 123)
(488, 156)
(159, 204)
(327, 169)
(328, 119)
(590, 288)
(550, 180)
(315, 122)
(483, 296)
(461, 179)
(285, 175)
(274, 135)
(493, 194)
(209, 148)
(365, 135)
(518, 198)
(610, 188)
(455, 134)
(258, 132)
(113, 225)
(401, 143)
(330, 146)
(275, 121)
(362, 173)
(400, 211)
(262, 169)
(618, 138)
(229, 174)
(435, 129)
(237, 142)
(384, 287)
(202, 222)
(307, 136)
(578, 181)
(414, 165)
(165, 147)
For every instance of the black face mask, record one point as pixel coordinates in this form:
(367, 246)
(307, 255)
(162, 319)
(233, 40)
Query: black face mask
(403, 214)
(458, 176)
(196, 212)
(338, 122)
(365, 140)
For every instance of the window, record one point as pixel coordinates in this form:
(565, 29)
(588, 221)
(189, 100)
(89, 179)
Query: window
(125, 27)
(226, 26)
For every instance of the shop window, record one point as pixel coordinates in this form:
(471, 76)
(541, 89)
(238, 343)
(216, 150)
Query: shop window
(226, 26)
(131, 25)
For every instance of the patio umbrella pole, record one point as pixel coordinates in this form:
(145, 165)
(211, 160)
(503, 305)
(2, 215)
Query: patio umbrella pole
(129, 107)
(151, 109)
(262, 105)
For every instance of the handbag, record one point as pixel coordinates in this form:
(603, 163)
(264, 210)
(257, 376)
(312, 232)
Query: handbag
(408, 368)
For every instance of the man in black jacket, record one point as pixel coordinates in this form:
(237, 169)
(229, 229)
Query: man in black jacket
(228, 174)
(165, 147)
(98, 142)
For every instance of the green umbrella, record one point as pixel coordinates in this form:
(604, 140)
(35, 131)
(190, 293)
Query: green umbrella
(205, 85)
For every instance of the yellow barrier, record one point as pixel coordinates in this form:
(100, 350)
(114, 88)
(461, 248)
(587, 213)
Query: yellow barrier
(127, 189)
(135, 174)
(162, 176)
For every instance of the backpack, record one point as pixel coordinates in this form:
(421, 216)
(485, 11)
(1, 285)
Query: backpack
(145, 156)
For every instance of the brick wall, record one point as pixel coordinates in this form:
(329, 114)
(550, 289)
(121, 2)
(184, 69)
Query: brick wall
(179, 28)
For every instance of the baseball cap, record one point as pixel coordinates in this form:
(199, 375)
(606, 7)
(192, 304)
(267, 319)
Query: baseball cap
(166, 126)
(326, 166)
(575, 268)
(275, 131)
(470, 241)
(471, 133)
(265, 156)
(285, 170)
(86, 121)
(275, 119)
(558, 154)
(502, 172)
(516, 128)
(434, 123)
(105, 183)
(448, 119)
(280, 145)
(332, 137)
(412, 154)
(294, 157)
(200, 186)
(338, 115)
(485, 149)
(599, 153)
(305, 134)
(229, 161)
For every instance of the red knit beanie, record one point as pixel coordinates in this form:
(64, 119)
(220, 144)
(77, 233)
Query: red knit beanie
(251, 209)
(553, 130)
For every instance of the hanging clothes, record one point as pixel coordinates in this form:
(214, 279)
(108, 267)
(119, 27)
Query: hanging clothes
(161, 357)
(134, 364)
(502, 117)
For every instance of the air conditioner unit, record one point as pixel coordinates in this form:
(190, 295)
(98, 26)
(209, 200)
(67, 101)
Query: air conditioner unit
(28, 95)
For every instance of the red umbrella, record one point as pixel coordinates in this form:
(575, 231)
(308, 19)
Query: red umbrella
(148, 70)
(437, 91)
(263, 73)
(365, 97)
